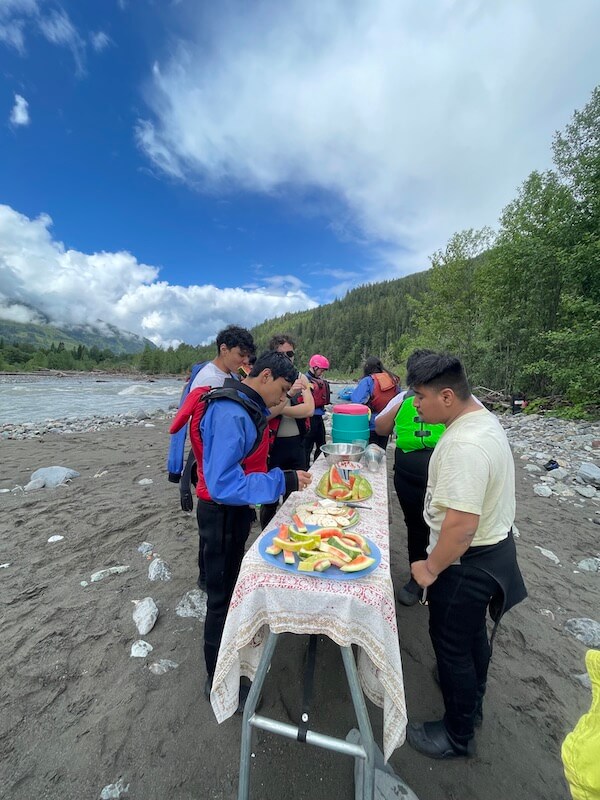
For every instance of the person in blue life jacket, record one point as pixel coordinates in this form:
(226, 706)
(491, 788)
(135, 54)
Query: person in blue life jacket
(235, 347)
(288, 423)
(471, 564)
(315, 437)
(375, 389)
(415, 441)
(232, 476)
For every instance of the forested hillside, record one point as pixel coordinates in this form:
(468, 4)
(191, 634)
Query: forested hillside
(520, 305)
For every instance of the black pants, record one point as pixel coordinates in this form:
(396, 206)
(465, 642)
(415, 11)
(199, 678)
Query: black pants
(458, 602)
(286, 453)
(410, 482)
(224, 531)
(315, 436)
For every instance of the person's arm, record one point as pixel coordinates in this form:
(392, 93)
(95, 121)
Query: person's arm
(228, 434)
(363, 391)
(307, 407)
(384, 422)
(456, 535)
(460, 489)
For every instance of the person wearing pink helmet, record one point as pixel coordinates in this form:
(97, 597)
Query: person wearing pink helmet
(318, 366)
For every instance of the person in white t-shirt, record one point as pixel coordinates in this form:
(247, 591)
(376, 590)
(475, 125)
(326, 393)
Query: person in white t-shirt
(471, 563)
(234, 346)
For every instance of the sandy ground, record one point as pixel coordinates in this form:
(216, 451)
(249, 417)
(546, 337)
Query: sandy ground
(77, 712)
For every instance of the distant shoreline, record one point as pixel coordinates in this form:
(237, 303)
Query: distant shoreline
(75, 373)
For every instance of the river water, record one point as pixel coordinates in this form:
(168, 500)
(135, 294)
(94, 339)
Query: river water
(33, 398)
(36, 398)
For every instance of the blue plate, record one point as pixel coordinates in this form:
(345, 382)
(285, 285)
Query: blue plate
(333, 573)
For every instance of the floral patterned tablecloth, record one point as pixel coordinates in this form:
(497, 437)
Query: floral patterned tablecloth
(358, 612)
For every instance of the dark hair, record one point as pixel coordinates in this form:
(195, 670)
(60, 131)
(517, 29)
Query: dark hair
(234, 336)
(279, 364)
(372, 365)
(439, 371)
(279, 339)
(416, 355)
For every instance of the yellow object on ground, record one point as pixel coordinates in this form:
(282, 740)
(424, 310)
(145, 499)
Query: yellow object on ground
(581, 748)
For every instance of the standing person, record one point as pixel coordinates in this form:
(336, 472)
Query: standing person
(318, 366)
(415, 441)
(288, 424)
(375, 390)
(230, 440)
(471, 563)
(235, 348)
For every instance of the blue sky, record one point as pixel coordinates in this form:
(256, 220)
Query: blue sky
(171, 167)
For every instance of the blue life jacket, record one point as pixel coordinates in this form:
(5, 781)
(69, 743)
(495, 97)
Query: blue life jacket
(177, 440)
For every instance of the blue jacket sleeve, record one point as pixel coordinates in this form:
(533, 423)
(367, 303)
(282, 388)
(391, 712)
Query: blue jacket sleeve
(228, 434)
(363, 391)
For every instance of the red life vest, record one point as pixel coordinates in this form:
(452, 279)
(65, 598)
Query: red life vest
(384, 388)
(320, 389)
(194, 408)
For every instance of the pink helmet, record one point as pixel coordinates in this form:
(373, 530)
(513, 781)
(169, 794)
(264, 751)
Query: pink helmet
(318, 361)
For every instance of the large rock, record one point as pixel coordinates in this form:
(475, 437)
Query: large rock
(54, 476)
(588, 473)
(585, 630)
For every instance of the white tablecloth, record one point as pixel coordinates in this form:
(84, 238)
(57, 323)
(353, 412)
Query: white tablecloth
(355, 611)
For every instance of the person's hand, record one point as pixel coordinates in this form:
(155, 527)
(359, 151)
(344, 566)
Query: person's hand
(300, 384)
(304, 479)
(421, 573)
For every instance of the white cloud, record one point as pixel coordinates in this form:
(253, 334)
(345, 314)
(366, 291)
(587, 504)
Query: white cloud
(20, 111)
(420, 119)
(100, 41)
(38, 272)
(16, 16)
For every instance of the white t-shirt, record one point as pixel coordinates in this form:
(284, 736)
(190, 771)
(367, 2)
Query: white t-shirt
(211, 375)
(472, 470)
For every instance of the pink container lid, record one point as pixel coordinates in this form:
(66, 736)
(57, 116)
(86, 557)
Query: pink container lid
(350, 408)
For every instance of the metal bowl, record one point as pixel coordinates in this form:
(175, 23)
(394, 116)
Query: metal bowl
(341, 451)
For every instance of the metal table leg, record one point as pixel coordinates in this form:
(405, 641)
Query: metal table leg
(252, 720)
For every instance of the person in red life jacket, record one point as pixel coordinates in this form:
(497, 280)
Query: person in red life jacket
(230, 439)
(375, 390)
(235, 348)
(288, 424)
(321, 392)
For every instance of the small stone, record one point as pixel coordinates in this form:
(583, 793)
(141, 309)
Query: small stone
(532, 468)
(146, 482)
(560, 474)
(145, 548)
(4, 566)
(104, 573)
(586, 491)
(83, 583)
(584, 679)
(545, 612)
(162, 666)
(548, 554)
(113, 791)
(585, 630)
(145, 615)
(589, 565)
(542, 490)
(159, 570)
(56, 538)
(192, 604)
(140, 649)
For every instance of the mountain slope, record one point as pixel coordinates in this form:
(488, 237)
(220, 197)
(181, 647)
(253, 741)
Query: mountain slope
(101, 335)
